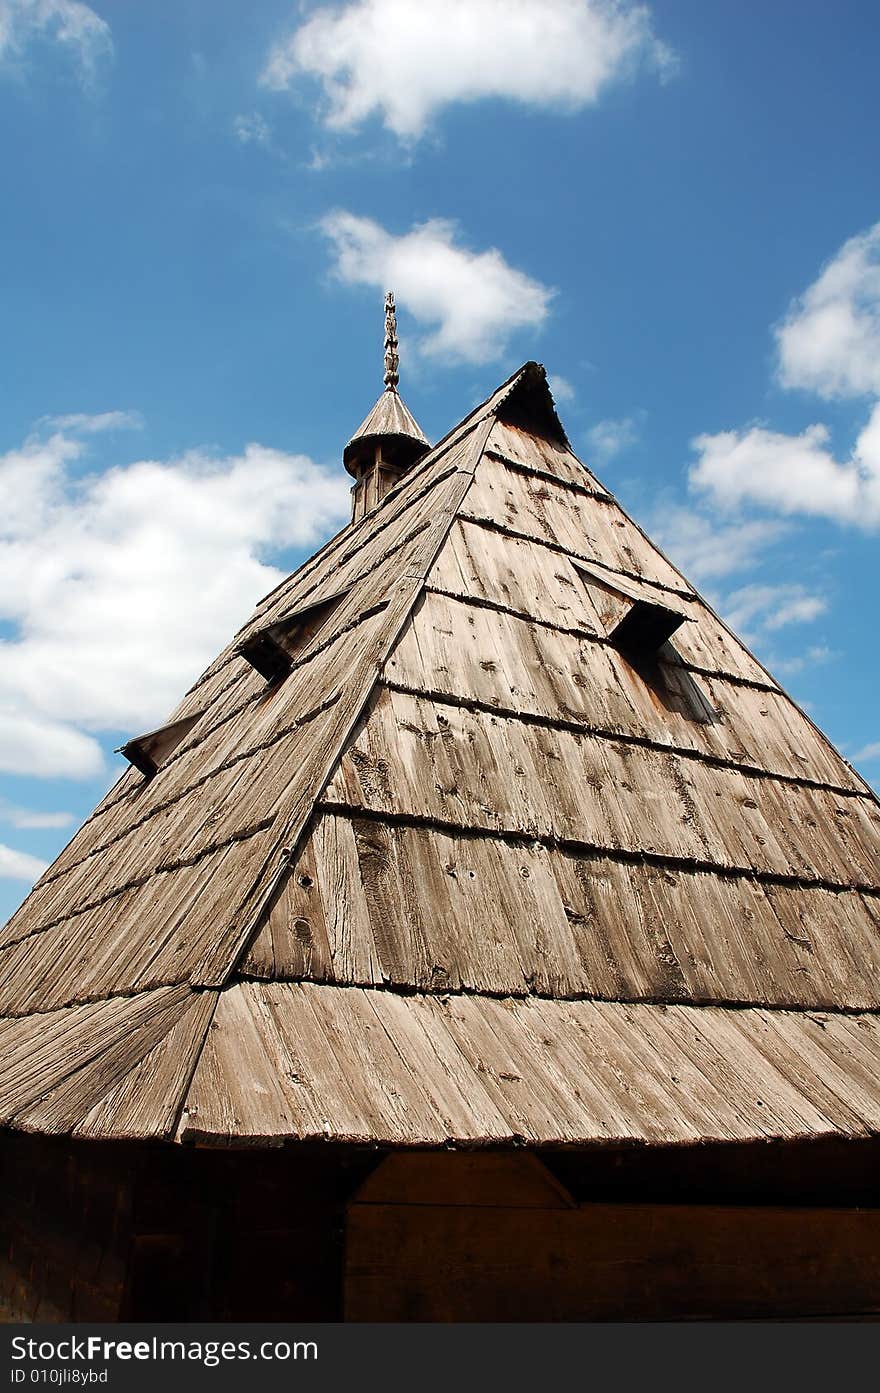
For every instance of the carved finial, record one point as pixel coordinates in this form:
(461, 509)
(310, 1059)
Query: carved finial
(392, 362)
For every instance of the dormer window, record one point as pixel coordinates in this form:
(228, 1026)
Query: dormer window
(636, 619)
(639, 624)
(150, 751)
(267, 655)
(645, 627)
(272, 651)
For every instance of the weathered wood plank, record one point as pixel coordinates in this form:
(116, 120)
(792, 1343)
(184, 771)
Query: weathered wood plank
(428, 1053)
(584, 526)
(241, 1088)
(304, 1060)
(145, 1103)
(470, 768)
(470, 652)
(153, 934)
(539, 453)
(295, 805)
(56, 1066)
(527, 576)
(512, 917)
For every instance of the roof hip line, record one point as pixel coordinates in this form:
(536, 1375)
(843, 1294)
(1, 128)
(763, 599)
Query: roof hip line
(261, 897)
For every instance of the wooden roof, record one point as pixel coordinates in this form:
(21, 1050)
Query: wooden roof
(482, 860)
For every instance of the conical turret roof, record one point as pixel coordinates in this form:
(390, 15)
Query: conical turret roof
(483, 829)
(390, 419)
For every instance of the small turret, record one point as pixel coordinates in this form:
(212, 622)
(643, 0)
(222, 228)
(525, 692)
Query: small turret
(389, 441)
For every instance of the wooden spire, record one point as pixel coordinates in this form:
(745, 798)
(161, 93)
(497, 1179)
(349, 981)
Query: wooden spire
(392, 361)
(389, 440)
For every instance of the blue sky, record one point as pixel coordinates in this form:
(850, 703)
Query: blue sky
(674, 207)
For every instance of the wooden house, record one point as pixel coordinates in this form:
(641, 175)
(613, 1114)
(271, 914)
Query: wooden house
(485, 936)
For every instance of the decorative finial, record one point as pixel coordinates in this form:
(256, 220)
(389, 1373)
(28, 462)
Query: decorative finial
(392, 362)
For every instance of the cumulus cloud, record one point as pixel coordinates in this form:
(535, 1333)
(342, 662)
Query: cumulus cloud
(38, 745)
(707, 549)
(772, 607)
(29, 819)
(609, 438)
(561, 387)
(829, 342)
(815, 655)
(792, 473)
(252, 129)
(405, 61)
(120, 586)
(68, 22)
(867, 752)
(19, 865)
(476, 300)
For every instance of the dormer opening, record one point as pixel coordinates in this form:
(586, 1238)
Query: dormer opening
(639, 624)
(273, 650)
(148, 752)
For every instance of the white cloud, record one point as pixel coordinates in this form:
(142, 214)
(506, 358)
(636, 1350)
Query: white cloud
(560, 387)
(829, 341)
(38, 745)
(609, 438)
(80, 423)
(475, 299)
(867, 752)
(122, 585)
(406, 61)
(817, 654)
(771, 607)
(792, 473)
(252, 129)
(707, 550)
(18, 865)
(28, 819)
(75, 25)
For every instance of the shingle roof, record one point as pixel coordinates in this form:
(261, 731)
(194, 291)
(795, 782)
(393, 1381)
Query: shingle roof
(470, 868)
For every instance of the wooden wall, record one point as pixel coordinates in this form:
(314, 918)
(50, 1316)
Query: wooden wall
(93, 1232)
(65, 1215)
(446, 1237)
